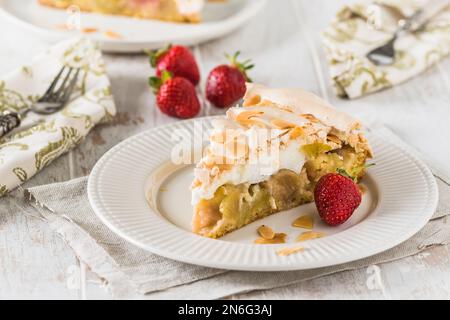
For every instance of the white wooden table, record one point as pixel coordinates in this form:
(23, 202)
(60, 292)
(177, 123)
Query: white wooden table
(283, 42)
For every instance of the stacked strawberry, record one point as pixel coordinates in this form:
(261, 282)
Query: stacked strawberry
(175, 96)
(178, 60)
(177, 74)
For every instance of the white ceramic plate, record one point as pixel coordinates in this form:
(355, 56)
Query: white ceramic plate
(401, 197)
(219, 19)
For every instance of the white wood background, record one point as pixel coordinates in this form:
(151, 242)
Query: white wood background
(283, 42)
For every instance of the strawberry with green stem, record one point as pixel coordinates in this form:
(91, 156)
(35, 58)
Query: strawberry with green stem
(175, 96)
(176, 59)
(225, 85)
(337, 195)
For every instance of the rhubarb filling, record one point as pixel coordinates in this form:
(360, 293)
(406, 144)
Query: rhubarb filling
(234, 206)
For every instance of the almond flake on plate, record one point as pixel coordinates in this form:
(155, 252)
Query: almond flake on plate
(305, 221)
(309, 235)
(266, 232)
(89, 30)
(289, 251)
(113, 35)
(278, 238)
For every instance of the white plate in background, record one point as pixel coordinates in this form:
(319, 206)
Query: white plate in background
(401, 197)
(219, 19)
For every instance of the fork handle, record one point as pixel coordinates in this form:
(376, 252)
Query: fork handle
(9, 122)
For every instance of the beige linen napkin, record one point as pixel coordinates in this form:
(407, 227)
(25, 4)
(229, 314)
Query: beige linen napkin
(362, 27)
(41, 139)
(130, 272)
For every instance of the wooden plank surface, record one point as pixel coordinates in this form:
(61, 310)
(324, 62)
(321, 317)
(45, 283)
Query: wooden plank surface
(283, 43)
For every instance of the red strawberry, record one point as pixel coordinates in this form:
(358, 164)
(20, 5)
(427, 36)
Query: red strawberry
(336, 197)
(175, 96)
(226, 83)
(178, 60)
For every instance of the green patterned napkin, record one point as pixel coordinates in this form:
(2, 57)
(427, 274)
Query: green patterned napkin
(41, 139)
(362, 27)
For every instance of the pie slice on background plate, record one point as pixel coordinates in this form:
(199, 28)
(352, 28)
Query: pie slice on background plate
(167, 10)
(267, 156)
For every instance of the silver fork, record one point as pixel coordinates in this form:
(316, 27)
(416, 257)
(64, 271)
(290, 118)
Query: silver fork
(385, 54)
(53, 100)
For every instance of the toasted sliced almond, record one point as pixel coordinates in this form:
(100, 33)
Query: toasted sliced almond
(266, 232)
(282, 124)
(279, 238)
(285, 132)
(333, 138)
(296, 132)
(310, 117)
(309, 235)
(246, 115)
(281, 235)
(113, 35)
(306, 221)
(289, 251)
(89, 30)
(252, 100)
(253, 121)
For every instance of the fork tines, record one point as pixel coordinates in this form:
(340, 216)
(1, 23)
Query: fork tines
(59, 91)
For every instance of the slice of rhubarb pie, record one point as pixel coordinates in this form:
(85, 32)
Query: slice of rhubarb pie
(168, 10)
(267, 156)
